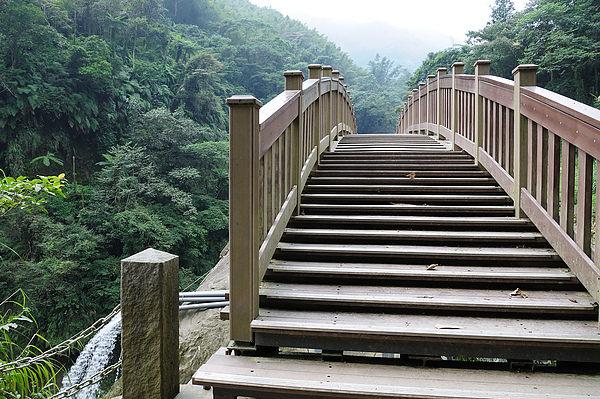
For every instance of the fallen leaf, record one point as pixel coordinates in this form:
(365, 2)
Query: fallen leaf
(518, 292)
(447, 327)
(432, 266)
(411, 175)
(573, 300)
(407, 324)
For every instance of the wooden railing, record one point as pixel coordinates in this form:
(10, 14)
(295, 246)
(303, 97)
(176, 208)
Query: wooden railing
(272, 151)
(540, 147)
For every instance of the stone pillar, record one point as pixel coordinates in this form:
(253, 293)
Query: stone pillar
(458, 68)
(150, 325)
(244, 154)
(440, 72)
(525, 75)
(482, 68)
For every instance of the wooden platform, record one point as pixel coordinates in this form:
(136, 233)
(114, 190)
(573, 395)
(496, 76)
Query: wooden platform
(295, 378)
(406, 248)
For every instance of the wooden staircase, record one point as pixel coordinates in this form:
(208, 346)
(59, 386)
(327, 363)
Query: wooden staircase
(404, 251)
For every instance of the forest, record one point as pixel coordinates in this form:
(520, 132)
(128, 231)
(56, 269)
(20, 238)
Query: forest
(126, 99)
(561, 36)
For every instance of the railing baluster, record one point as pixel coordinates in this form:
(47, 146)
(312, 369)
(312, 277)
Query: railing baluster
(531, 156)
(542, 166)
(567, 184)
(583, 238)
(554, 176)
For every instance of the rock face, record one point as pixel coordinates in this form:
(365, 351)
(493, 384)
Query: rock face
(202, 332)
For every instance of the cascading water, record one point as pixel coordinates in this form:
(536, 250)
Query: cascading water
(94, 358)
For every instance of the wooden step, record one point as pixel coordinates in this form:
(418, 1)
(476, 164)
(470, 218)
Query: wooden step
(404, 188)
(409, 209)
(407, 198)
(297, 378)
(571, 304)
(401, 173)
(387, 164)
(317, 272)
(434, 254)
(418, 222)
(441, 181)
(430, 335)
(420, 236)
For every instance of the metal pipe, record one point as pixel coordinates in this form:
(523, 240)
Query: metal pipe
(207, 299)
(204, 293)
(205, 305)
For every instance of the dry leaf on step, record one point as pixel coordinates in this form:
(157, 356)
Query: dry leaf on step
(573, 300)
(432, 266)
(518, 292)
(411, 175)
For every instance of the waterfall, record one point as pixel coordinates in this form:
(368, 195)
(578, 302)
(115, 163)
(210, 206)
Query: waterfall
(94, 358)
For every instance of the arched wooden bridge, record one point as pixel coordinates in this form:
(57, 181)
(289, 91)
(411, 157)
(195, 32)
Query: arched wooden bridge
(454, 259)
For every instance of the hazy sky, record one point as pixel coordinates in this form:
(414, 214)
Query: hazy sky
(452, 18)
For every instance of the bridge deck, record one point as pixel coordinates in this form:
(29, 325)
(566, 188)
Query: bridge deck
(405, 248)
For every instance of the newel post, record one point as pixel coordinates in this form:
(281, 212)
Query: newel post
(440, 72)
(429, 110)
(315, 71)
(293, 81)
(422, 106)
(525, 75)
(415, 111)
(150, 325)
(458, 68)
(244, 154)
(328, 73)
(482, 67)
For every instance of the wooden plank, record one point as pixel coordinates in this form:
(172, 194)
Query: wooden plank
(400, 180)
(583, 237)
(573, 256)
(435, 253)
(465, 144)
(303, 378)
(417, 220)
(553, 198)
(400, 198)
(410, 209)
(567, 188)
(478, 236)
(269, 245)
(359, 188)
(401, 272)
(402, 173)
(276, 116)
(498, 172)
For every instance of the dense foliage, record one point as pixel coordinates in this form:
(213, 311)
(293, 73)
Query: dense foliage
(561, 36)
(127, 98)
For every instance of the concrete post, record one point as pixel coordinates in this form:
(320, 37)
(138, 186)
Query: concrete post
(458, 68)
(525, 75)
(244, 154)
(482, 67)
(440, 72)
(150, 325)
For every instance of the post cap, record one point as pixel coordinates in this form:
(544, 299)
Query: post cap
(442, 71)
(525, 68)
(315, 66)
(293, 73)
(421, 84)
(482, 62)
(458, 64)
(335, 73)
(240, 100)
(327, 70)
(430, 77)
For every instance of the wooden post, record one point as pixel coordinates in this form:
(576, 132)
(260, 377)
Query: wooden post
(482, 67)
(150, 325)
(440, 72)
(293, 81)
(327, 73)
(244, 148)
(422, 86)
(315, 71)
(458, 68)
(525, 75)
(336, 103)
(415, 111)
(429, 110)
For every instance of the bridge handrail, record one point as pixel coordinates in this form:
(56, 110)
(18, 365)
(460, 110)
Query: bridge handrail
(273, 149)
(532, 156)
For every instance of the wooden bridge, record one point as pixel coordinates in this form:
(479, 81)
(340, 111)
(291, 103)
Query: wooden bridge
(453, 259)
